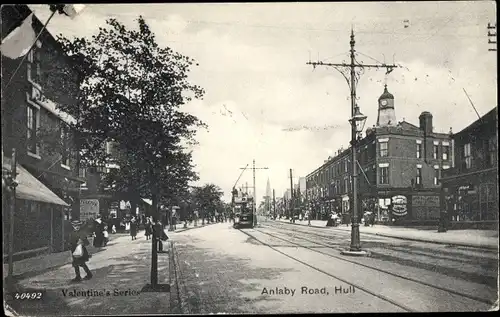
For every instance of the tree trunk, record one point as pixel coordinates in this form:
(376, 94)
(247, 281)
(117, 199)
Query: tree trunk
(154, 247)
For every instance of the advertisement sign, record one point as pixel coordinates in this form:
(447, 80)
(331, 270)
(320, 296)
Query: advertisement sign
(89, 208)
(399, 205)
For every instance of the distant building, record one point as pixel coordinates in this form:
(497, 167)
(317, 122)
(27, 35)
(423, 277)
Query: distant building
(401, 164)
(470, 187)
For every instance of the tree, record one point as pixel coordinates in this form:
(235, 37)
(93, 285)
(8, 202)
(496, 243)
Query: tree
(208, 199)
(131, 91)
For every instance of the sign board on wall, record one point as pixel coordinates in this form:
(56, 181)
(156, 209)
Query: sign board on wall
(399, 205)
(89, 208)
(426, 207)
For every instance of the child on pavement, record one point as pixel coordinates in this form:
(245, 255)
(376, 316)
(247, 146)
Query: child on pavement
(106, 235)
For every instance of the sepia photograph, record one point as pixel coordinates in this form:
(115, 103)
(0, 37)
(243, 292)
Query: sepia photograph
(249, 158)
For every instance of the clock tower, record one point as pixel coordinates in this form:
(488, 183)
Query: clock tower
(386, 114)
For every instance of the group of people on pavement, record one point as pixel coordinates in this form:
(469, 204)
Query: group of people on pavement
(98, 229)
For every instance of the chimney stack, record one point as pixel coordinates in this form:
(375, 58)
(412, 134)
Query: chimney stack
(426, 122)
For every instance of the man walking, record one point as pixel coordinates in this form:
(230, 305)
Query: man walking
(159, 234)
(78, 242)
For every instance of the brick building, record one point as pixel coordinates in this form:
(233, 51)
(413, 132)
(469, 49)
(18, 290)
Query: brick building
(400, 167)
(48, 180)
(470, 187)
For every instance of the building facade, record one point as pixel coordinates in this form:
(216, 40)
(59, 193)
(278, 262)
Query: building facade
(399, 167)
(470, 187)
(47, 169)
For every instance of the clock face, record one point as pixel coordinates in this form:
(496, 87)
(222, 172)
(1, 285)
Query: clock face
(384, 102)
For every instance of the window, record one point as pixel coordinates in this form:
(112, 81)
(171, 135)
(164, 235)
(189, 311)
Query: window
(82, 172)
(346, 185)
(384, 175)
(345, 164)
(446, 152)
(383, 148)
(435, 151)
(419, 150)
(32, 127)
(418, 179)
(436, 176)
(65, 155)
(34, 69)
(467, 156)
(491, 150)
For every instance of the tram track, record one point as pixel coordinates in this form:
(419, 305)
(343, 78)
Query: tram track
(451, 291)
(451, 256)
(384, 298)
(444, 289)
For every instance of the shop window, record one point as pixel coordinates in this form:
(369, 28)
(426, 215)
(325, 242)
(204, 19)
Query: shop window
(384, 175)
(383, 149)
(467, 156)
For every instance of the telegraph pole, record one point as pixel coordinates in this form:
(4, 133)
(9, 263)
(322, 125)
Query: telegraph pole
(254, 204)
(352, 78)
(274, 204)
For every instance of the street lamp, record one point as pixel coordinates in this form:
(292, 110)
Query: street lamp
(358, 120)
(357, 124)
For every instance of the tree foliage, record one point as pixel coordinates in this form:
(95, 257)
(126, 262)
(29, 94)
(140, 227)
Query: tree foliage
(131, 91)
(208, 198)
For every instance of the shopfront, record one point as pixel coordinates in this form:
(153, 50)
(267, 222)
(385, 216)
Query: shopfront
(38, 217)
(472, 198)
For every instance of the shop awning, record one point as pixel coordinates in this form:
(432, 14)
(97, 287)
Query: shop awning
(147, 201)
(30, 188)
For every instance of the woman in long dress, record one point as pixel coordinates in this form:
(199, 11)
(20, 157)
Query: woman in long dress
(148, 229)
(133, 229)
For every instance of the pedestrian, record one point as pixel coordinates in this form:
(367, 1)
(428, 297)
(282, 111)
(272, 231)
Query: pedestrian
(159, 234)
(105, 234)
(443, 223)
(98, 229)
(133, 229)
(174, 220)
(78, 242)
(113, 229)
(196, 215)
(307, 217)
(148, 229)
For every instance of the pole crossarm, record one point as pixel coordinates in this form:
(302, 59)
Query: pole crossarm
(353, 65)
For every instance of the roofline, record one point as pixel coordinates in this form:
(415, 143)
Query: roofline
(478, 121)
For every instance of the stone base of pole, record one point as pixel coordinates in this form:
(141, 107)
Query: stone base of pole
(354, 252)
(355, 248)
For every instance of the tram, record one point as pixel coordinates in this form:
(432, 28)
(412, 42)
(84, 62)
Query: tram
(243, 211)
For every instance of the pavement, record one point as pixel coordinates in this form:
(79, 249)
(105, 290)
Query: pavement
(487, 239)
(122, 268)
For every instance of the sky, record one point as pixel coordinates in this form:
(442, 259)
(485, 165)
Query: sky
(264, 103)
